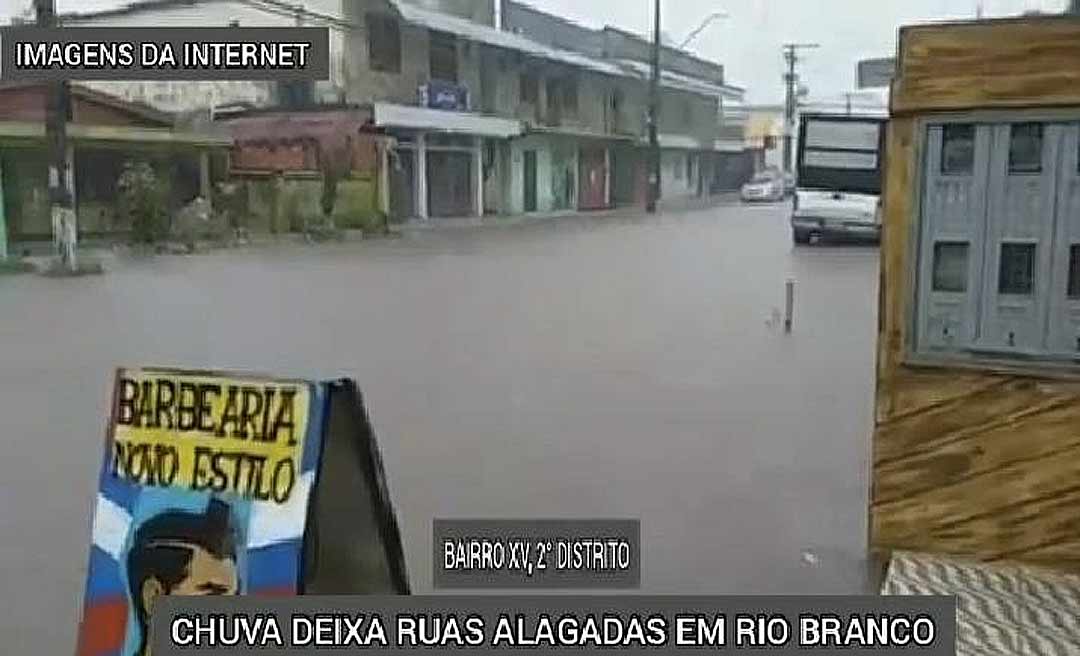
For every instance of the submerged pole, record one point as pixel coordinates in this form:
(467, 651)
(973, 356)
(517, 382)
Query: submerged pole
(789, 305)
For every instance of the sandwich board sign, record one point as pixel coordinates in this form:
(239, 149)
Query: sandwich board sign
(219, 484)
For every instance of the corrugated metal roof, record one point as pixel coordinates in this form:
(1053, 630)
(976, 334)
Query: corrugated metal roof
(288, 126)
(486, 34)
(423, 118)
(674, 80)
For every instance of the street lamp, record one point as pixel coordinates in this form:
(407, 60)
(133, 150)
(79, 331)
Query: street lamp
(654, 101)
(705, 23)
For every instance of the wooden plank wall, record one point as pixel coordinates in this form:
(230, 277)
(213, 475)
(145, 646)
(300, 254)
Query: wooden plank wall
(1022, 62)
(978, 465)
(982, 464)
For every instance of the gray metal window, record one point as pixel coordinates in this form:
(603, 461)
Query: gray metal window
(950, 266)
(1016, 274)
(958, 149)
(1025, 148)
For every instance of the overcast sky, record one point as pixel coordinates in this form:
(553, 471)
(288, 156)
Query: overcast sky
(748, 43)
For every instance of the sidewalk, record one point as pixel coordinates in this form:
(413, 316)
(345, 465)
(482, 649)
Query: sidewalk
(107, 250)
(498, 220)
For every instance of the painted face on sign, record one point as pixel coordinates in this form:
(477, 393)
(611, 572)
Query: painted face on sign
(206, 575)
(181, 553)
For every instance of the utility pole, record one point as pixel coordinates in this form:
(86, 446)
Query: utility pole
(57, 109)
(654, 117)
(791, 82)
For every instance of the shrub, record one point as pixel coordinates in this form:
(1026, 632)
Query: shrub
(198, 221)
(143, 201)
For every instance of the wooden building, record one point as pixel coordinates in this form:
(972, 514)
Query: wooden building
(976, 447)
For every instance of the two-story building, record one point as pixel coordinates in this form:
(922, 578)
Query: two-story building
(701, 118)
(486, 116)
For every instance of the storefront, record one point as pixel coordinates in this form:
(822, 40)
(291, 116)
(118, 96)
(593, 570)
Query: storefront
(543, 174)
(556, 170)
(595, 181)
(443, 160)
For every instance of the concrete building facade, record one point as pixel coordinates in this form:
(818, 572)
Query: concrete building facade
(495, 107)
(701, 118)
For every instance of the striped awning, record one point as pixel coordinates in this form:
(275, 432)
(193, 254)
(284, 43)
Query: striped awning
(1006, 610)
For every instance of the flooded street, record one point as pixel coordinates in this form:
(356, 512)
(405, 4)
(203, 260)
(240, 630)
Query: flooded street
(580, 367)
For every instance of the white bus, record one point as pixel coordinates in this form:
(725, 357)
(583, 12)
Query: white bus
(839, 165)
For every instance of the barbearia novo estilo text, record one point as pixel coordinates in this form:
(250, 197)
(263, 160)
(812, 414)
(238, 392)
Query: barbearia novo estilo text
(210, 434)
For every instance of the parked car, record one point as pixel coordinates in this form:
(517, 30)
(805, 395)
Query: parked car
(767, 186)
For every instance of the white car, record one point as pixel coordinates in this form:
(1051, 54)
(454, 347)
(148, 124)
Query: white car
(767, 186)
(825, 214)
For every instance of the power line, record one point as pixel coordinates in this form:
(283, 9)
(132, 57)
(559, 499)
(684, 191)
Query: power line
(791, 81)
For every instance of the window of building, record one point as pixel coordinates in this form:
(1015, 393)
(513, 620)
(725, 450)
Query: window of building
(569, 87)
(443, 58)
(296, 94)
(554, 96)
(384, 43)
(615, 111)
(998, 263)
(958, 149)
(530, 88)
